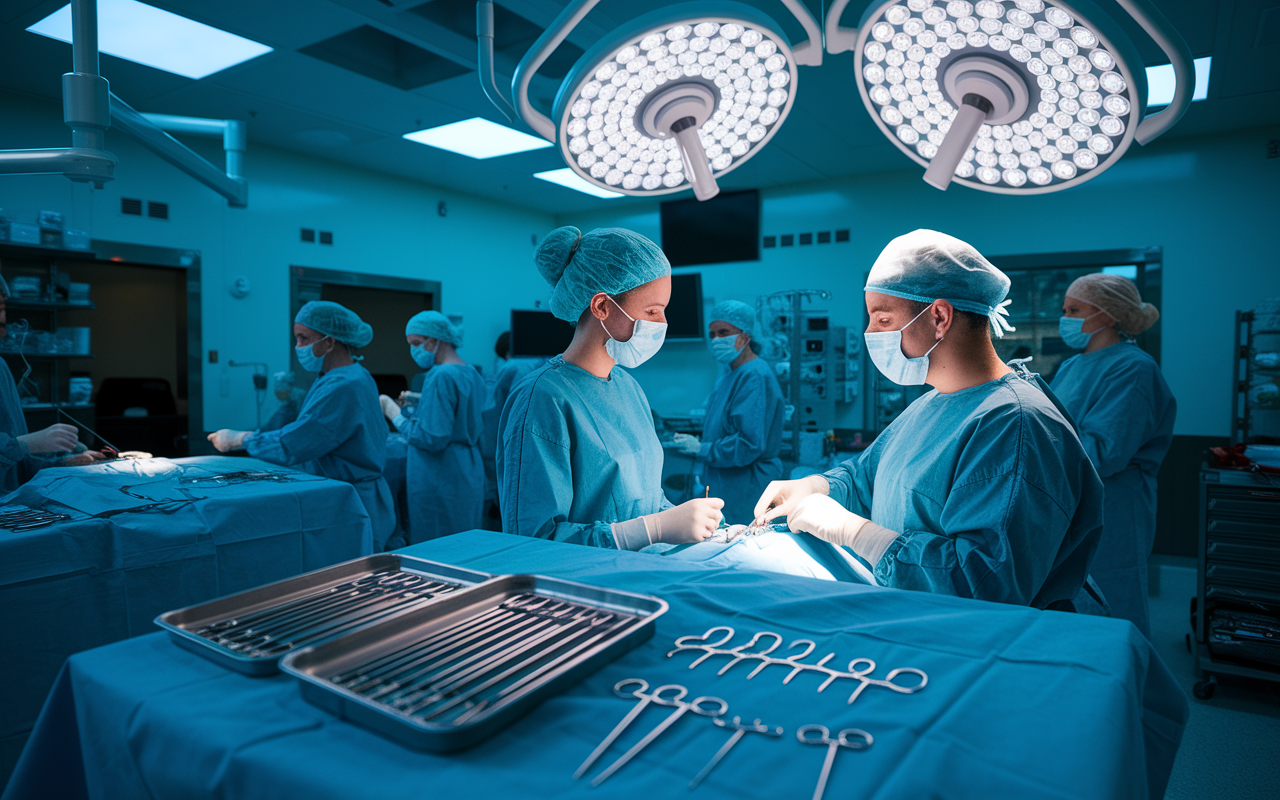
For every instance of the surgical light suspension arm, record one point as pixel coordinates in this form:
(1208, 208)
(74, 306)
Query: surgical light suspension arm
(695, 158)
(488, 81)
(1175, 47)
(964, 129)
(839, 38)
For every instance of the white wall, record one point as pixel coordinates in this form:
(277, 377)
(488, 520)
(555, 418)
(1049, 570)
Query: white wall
(381, 224)
(1210, 202)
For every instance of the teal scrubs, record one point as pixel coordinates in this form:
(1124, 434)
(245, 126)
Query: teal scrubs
(990, 491)
(576, 453)
(1124, 411)
(444, 474)
(504, 380)
(16, 464)
(741, 438)
(340, 433)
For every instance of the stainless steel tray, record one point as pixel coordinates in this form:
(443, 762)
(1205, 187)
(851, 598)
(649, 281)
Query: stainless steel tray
(419, 679)
(185, 624)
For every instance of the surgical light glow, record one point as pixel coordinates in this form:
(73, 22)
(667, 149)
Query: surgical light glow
(1161, 83)
(571, 180)
(477, 138)
(156, 38)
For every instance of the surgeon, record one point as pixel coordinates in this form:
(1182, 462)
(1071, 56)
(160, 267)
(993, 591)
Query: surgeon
(578, 458)
(339, 432)
(1124, 411)
(507, 373)
(742, 431)
(980, 488)
(445, 476)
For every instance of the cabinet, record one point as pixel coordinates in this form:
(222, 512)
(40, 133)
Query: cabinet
(1255, 389)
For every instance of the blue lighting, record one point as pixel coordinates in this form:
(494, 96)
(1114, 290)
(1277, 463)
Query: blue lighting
(478, 138)
(1160, 83)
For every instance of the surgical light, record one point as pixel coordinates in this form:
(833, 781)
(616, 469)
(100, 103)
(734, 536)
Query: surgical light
(156, 38)
(571, 180)
(680, 97)
(477, 138)
(1009, 96)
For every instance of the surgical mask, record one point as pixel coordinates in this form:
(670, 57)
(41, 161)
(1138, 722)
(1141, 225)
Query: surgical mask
(1071, 329)
(885, 350)
(723, 349)
(646, 340)
(423, 357)
(309, 360)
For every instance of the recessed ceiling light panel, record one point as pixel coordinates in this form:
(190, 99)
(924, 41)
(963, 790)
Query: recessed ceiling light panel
(478, 138)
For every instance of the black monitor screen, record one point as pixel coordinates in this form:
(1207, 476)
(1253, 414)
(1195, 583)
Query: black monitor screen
(724, 228)
(684, 312)
(539, 334)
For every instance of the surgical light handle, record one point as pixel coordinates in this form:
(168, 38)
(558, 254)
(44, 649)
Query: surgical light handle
(964, 129)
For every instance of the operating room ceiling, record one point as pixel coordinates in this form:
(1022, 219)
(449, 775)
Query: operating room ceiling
(348, 78)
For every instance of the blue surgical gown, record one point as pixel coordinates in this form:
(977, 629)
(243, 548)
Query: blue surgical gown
(444, 474)
(340, 433)
(287, 412)
(16, 464)
(577, 453)
(1124, 411)
(741, 438)
(504, 380)
(990, 491)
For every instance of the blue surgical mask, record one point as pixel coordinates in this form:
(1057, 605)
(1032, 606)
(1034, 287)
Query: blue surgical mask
(424, 358)
(1071, 329)
(646, 340)
(885, 351)
(724, 349)
(309, 360)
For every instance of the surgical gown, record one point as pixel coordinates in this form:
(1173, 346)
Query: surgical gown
(576, 453)
(1124, 411)
(287, 412)
(990, 491)
(741, 438)
(504, 380)
(340, 433)
(444, 475)
(16, 464)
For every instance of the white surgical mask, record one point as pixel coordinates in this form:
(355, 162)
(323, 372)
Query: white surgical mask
(424, 358)
(724, 349)
(885, 350)
(309, 360)
(646, 340)
(1071, 329)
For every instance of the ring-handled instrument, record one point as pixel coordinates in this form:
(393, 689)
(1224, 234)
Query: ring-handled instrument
(849, 738)
(739, 730)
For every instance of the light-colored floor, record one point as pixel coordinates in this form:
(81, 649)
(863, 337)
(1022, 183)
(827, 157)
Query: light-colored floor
(1231, 748)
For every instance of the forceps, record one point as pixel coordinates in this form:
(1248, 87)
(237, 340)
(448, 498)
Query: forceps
(740, 730)
(887, 682)
(824, 738)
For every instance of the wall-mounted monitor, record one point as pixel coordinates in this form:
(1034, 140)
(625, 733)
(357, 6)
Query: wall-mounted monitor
(684, 312)
(724, 228)
(539, 334)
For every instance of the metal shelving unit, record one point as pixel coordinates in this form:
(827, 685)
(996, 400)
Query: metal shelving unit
(1255, 388)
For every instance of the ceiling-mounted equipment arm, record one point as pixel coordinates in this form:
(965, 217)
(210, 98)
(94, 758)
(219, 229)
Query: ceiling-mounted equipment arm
(1175, 47)
(839, 38)
(488, 76)
(807, 53)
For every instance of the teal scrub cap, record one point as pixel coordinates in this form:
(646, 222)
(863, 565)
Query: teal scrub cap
(736, 313)
(926, 265)
(434, 325)
(578, 266)
(335, 320)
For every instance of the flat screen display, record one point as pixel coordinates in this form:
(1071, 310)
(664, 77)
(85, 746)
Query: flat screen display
(539, 334)
(724, 228)
(684, 312)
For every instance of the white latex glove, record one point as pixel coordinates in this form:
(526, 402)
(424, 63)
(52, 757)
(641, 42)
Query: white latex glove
(227, 440)
(693, 521)
(688, 444)
(780, 497)
(57, 438)
(390, 408)
(825, 518)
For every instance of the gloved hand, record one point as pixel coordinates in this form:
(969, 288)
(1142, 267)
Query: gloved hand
(690, 445)
(227, 440)
(83, 459)
(780, 497)
(688, 522)
(825, 518)
(390, 408)
(57, 438)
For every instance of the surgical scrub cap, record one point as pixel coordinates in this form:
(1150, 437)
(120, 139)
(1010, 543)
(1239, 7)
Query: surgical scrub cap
(736, 313)
(926, 265)
(337, 321)
(434, 325)
(1118, 297)
(609, 260)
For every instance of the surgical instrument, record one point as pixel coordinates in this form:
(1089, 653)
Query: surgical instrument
(739, 730)
(704, 706)
(640, 693)
(30, 519)
(824, 738)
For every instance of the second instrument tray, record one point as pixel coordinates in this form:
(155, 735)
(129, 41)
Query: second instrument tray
(250, 631)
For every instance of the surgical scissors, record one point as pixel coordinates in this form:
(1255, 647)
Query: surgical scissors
(740, 730)
(703, 706)
(824, 738)
(642, 694)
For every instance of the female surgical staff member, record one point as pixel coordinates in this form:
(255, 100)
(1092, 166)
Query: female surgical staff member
(1124, 412)
(578, 458)
(444, 473)
(339, 432)
(742, 433)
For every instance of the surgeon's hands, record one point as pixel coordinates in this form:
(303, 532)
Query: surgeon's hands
(827, 519)
(227, 440)
(688, 522)
(390, 408)
(780, 497)
(83, 459)
(689, 445)
(57, 438)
